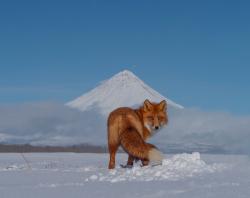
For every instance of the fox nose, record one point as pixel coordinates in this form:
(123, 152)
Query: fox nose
(156, 127)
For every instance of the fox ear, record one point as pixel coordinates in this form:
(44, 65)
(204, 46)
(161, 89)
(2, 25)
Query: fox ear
(162, 105)
(147, 106)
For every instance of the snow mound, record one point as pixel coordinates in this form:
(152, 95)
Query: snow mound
(178, 167)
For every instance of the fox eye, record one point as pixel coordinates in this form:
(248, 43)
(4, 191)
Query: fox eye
(160, 117)
(150, 117)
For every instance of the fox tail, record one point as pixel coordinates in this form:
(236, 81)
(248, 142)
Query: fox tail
(133, 144)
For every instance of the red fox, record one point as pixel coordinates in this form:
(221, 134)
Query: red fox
(130, 128)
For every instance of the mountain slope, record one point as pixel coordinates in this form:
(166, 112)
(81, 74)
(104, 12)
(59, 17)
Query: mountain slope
(123, 89)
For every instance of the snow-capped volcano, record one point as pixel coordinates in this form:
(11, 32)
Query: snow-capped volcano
(123, 89)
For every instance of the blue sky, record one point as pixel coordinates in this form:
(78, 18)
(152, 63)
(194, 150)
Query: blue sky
(195, 52)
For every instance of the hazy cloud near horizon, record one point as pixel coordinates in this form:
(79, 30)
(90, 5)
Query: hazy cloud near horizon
(49, 123)
(194, 128)
(57, 124)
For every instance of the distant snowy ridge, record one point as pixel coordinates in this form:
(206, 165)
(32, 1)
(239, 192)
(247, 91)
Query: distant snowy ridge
(123, 89)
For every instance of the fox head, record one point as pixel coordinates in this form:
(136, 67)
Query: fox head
(154, 115)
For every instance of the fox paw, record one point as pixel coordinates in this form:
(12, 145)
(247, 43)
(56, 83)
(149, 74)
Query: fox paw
(126, 166)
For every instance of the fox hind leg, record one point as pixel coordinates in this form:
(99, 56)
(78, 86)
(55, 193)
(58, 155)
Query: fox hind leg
(130, 162)
(145, 162)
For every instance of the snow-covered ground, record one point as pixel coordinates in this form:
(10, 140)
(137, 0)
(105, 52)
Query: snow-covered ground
(85, 175)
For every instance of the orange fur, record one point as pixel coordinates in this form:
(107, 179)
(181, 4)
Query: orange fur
(133, 144)
(131, 127)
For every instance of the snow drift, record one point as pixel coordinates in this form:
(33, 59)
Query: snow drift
(176, 168)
